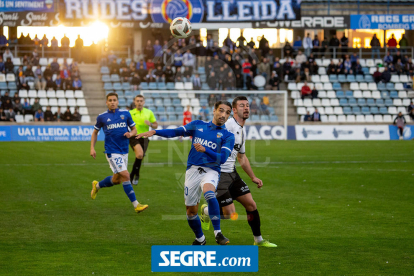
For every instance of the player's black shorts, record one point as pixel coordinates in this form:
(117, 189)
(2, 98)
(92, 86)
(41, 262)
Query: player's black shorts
(230, 187)
(142, 141)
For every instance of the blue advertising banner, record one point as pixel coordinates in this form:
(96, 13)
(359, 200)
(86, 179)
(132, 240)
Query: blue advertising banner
(408, 133)
(27, 6)
(49, 133)
(179, 258)
(382, 21)
(5, 133)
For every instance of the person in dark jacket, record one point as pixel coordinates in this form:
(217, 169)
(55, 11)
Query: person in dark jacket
(400, 122)
(375, 46)
(48, 115)
(386, 75)
(334, 44)
(316, 116)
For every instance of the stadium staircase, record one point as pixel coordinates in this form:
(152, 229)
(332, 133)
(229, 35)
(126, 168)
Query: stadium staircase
(92, 89)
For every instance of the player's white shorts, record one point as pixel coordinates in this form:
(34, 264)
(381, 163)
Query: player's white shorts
(195, 178)
(117, 162)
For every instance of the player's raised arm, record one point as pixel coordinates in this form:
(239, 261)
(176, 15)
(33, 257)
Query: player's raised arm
(245, 164)
(187, 130)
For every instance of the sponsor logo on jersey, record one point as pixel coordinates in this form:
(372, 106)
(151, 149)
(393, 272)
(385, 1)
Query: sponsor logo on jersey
(219, 135)
(117, 125)
(122, 117)
(204, 142)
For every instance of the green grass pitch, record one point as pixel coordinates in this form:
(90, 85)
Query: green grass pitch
(333, 208)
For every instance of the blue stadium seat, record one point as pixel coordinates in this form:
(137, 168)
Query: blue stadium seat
(365, 110)
(157, 95)
(274, 118)
(179, 110)
(163, 118)
(385, 94)
(360, 78)
(255, 118)
(108, 91)
(264, 118)
(352, 102)
(117, 86)
(349, 94)
(152, 86)
(120, 93)
(160, 109)
(106, 78)
(350, 78)
(122, 102)
(390, 86)
(340, 94)
(108, 86)
(271, 110)
(369, 78)
(136, 93)
(161, 86)
(176, 102)
(343, 102)
(158, 102)
(365, 70)
(170, 86)
(115, 78)
(381, 86)
(203, 102)
(173, 95)
(180, 117)
(205, 86)
(12, 92)
(170, 109)
(374, 110)
(201, 70)
(342, 78)
(3, 86)
(172, 118)
(370, 102)
(126, 86)
(393, 94)
(347, 110)
(203, 78)
(336, 86)
(388, 102)
(333, 78)
(356, 110)
(12, 86)
(129, 94)
(379, 102)
(144, 85)
(383, 110)
(167, 102)
(104, 70)
(149, 101)
(361, 102)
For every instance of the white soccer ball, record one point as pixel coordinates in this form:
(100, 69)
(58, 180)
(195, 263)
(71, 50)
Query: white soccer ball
(180, 27)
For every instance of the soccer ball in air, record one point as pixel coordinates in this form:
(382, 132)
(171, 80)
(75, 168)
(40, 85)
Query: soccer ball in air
(180, 27)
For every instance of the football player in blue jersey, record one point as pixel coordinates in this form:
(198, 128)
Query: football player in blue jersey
(115, 123)
(211, 145)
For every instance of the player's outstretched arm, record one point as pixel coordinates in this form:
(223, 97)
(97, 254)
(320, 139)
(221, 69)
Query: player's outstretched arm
(245, 164)
(94, 138)
(167, 133)
(145, 134)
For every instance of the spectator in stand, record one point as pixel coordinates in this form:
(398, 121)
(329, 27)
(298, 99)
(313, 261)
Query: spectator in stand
(400, 122)
(385, 76)
(314, 68)
(354, 57)
(314, 93)
(241, 40)
(306, 76)
(229, 82)
(403, 44)
(316, 116)
(64, 42)
(316, 45)
(388, 59)
(142, 72)
(76, 115)
(23, 83)
(7, 54)
(324, 47)
(274, 81)
(38, 71)
(67, 116)
(344, 44)
(48, 115)
(54, 66)
(6, 105)
(377, 75)
(196, 82)
(135, 82)
(125, 74)
(178, 60)
(28, 73)
(40, 83)
(399, 67)
(5, 97)
(2, 115)
(239, 82)
(11, 115)
(58, 82)
(189, 59)
(392, 43)
(347, 66)
(251, 43)
(375, 46)
(408, 66)
(65, 76)
(157, 48)
(204, 113)
(150, 77)
(306, 91)
(54, 44)
(2, 66)
(8, 66)
(58, 115)
(334, 44)
(307, 44)
(410, 109)
(307, 117)
(264, 69)
(331, 68)
(212, 81)
(18, 107)
(391, 68)
(3, 41)
(143, 63)
(39, 116)
(357, 69)
(297, 44)
(48, 72)
(187, 116)
(15, 97)
(139, 56)
(300, 58)
(254, 108)
(250, 82)
(77, 84)
(169, 74)
(263, 108)
(149, 50)
(27, 108)
(78, 48)
(397, 57)
(288, 49)
(167, 56)
(246, 66)
(44, 41)
(50, 84)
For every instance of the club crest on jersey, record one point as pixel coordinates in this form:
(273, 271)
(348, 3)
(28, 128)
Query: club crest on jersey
(219, 135)
(122, 117)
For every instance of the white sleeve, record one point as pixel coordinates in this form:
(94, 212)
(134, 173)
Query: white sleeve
(243, 147)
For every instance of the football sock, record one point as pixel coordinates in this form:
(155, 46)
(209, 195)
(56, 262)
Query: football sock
(213, 209)
(201, 239)
(136, 168)
(253, 219)
(258, 239)
(107, 182)
(195, 224)
(130, 193)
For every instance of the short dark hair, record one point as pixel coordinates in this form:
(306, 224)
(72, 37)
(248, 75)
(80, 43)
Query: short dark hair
(217, 104)
(111, 94)
(239, 98)
(139, 96)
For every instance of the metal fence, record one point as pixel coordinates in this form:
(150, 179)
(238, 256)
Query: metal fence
(21, 50)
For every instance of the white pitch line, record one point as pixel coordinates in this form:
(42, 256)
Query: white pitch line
(349, 169)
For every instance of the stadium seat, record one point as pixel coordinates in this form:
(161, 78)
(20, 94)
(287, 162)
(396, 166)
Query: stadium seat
(388, 102)
(23, 94)
(301, 110)
(352, 102)
(334, 102)
(360, 118)
(376, 94)
(19, 119)
(379, 102)
(31, 94)
(115, 78)
(363, 86)
(366, 94)
(50, 94)
(378, 119)
(332, 119)
(398, 86)
(122, 102)
(161, 86)
(356, 110)
(332, 78)
(329, 110)
(28, 118)
(106, 78)
(387, 119)
(44, 102)
(185, 102)
(393, 94)
(341, 118)
(349, 94)
(108, 86)
(62, 102)
(397, 102)
(370, 62)
(404, 79)
(324, 118)
(80, 102)
(172, 118)
(316, 78)
(69, 94)
(126, 86)
(43, 62)
(395, 78)
(338, 110)
(381, 86)
(369, 118)
(264, 118)
(158, 102)
(321, 71)
(406, 102)
(350, 119)
(354, 86)
(336, 86)
(365, 110)
(361, 102)
(85, 119)
(343, 102)
(152, 86)
(385, 94)
(307, 102)
(368, 78)
(298, 102)
(170, 86)
(10, 77)
(392, 110)
(327, 86)
(144, 86)
(11, 86)
(360, 78)
(374, 110)
(292, 86)
(350, 78)
(342, 78)
(188, 86)
(53, 102)
(179, 86)
(255, 118)
(319, 86)
(71, 102)
(402, 94)
(390, 86)
(79, 94)
(274, 118)
(322, 94)
(295, 94)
